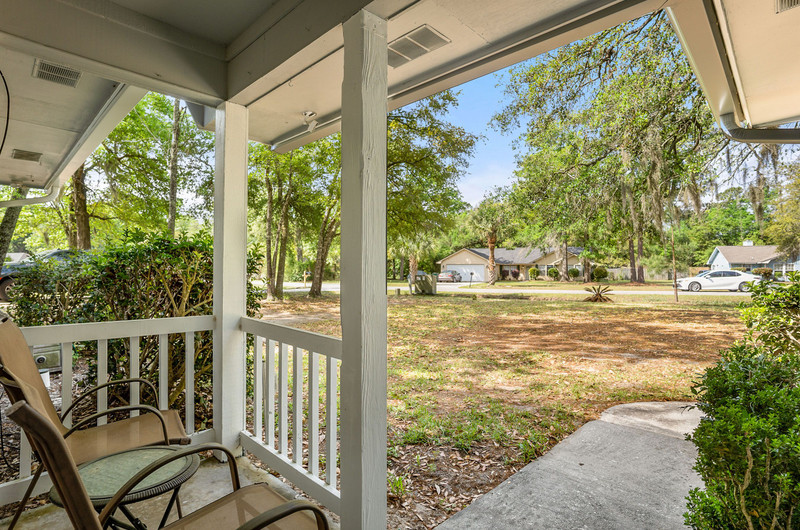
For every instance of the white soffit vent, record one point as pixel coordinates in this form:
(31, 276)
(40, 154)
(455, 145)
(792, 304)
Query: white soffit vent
(28, 156)
(415, 44)
(56, 73)
(785, 5)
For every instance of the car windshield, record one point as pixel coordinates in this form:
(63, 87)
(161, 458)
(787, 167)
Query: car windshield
(701, 274)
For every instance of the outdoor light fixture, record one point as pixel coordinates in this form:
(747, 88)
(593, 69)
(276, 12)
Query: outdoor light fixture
(308, 118)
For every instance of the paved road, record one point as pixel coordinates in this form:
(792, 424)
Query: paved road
(462, 288)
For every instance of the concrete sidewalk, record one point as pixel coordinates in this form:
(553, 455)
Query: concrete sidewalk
(631, 468)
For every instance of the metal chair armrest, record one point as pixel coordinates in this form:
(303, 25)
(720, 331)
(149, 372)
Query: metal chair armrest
(284, 510)
(141, 475)
(94, 390)
(146, 408)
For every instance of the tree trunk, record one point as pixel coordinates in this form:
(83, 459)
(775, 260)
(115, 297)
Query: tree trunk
(632, 257)
(173, 167)
(413, 263)
(565, 264)
(492, 242)
(9, 223)
(83, 235)
(402, 269)
(268, 257)
(283, 243)
(298, 243)
(587, 270)
(640, 266)
(327, 233)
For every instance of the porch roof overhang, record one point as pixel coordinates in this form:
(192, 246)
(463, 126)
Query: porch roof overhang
(282, 59)
(743, 55)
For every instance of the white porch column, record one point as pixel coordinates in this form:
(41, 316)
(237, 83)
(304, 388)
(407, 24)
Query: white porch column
(230, 262)
(363, 282)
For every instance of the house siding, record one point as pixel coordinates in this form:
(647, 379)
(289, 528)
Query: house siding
(718, 261)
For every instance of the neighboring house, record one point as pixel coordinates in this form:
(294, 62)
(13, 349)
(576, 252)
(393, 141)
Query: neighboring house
(509, 262)
(749, 257)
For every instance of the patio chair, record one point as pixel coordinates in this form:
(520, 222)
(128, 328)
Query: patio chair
(20, 378)
(246, 508)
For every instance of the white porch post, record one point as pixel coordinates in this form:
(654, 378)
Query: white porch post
(230, 263)
(363, 282)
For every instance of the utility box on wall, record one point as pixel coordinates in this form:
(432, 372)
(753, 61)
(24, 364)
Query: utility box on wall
(47, 357)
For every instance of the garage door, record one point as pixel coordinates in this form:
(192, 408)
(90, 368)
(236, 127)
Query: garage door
(478, 270)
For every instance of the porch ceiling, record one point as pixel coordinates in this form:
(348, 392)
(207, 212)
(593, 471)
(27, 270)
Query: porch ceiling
(281, 58)
(745, 55)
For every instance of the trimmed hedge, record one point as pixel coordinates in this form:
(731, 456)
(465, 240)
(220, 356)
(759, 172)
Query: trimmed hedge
(599, 273)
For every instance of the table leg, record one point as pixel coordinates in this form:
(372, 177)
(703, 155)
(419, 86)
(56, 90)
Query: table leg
(169, 507)
(135, 521)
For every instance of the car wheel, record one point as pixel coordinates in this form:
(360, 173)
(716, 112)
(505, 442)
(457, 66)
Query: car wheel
(5, 289)
(694, 287)
(744, 287)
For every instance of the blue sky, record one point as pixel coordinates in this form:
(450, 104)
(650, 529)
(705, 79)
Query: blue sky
(493, 163)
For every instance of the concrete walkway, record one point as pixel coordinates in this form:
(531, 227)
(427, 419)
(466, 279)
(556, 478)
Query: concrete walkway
(631, 469)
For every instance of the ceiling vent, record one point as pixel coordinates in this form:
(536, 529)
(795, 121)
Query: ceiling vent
(785, 5)
(28, 156)
(56, 73)
(415, 44)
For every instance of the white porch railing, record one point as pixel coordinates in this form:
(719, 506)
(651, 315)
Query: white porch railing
(295, 442)
(101, 333)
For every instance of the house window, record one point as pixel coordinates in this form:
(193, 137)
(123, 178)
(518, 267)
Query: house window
(779, 266)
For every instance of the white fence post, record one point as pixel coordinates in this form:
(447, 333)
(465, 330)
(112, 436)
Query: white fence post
(363, 293)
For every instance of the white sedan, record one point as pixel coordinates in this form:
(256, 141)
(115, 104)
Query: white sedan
(720, 280)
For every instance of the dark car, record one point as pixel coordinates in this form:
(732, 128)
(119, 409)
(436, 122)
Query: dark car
(12, 269)
(449, 276)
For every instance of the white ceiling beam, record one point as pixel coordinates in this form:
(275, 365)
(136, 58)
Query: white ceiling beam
(280, 41)
(117, 44)
(703, 46)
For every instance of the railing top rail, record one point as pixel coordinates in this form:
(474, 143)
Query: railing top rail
(307, 340)
(115, 329)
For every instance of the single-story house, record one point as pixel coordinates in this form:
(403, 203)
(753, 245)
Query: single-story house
(509, 262)
(749, 257)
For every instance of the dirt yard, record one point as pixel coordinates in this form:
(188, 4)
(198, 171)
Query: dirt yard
(480, 386)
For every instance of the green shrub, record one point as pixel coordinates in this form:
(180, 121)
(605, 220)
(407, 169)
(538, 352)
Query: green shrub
(553, 273)
(599, 273)
(533, 273)
(773, 317)
(143, 277)
(764, 272)
(573, 273)
(749, 440)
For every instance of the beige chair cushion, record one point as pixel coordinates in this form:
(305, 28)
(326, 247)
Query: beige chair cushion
(121, 435)
(239, 507)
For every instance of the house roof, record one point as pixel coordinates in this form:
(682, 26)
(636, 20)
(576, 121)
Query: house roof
(755, 254)
(516, 256)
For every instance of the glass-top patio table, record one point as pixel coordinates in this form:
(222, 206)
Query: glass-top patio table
(105, 476)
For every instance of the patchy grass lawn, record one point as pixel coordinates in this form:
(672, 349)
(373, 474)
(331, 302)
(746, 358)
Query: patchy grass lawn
(480, 386)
